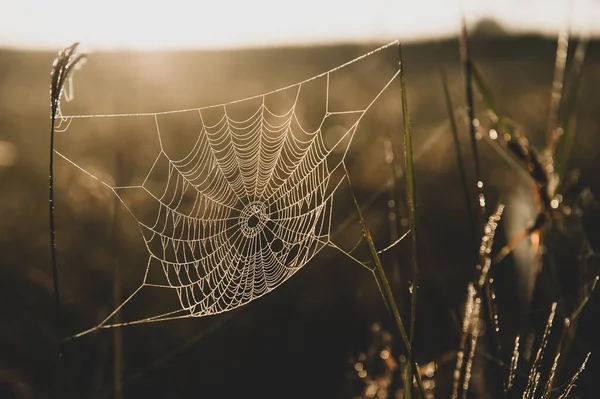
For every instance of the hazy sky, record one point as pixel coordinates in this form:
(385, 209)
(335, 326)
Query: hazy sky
(221, 23)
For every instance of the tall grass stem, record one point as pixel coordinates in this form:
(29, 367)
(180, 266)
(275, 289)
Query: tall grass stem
(460, 162)
(389, 295)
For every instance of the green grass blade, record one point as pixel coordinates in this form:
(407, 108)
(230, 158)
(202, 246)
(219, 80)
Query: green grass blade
(411, 197)
(387, 290)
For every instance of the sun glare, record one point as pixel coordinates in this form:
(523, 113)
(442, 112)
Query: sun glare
(217, 24)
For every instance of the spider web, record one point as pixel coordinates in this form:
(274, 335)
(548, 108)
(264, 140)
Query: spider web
(246, 207)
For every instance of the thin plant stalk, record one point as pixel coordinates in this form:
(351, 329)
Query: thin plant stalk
(470, 326)
(514, 363)
(568, 333)
(459, 159)
(556, 95)
(468, 77)
(534, 373)
(53, 233)
(387, 291)
(466, 328)
(571, 384)
(62, 67)
(467, 68)
(411, 197)
(568, 115)
(57, 306)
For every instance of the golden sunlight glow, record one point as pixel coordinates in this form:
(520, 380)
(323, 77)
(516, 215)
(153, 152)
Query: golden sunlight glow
(219, 23)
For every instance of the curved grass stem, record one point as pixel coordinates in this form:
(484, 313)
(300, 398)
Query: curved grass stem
(62, 67)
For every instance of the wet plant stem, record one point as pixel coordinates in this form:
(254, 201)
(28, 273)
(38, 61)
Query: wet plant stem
(389, 295)
(412, 204)
(62, 67)
(58, 315)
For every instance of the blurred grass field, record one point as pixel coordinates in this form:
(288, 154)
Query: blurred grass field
(296, 341)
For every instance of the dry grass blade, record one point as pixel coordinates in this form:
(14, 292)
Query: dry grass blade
(65, 63)
(474, 334)
(568, 333)
(514, 363)
(487, 242)
(463, 340)
(468, 341)
(535, 373)
(481, 201)
(485, 263)
(550, 381)
(588, 294)
(568, 114)
(571, 384)
(470, 326)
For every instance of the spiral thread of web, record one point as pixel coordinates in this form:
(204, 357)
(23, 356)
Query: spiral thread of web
(242, 212)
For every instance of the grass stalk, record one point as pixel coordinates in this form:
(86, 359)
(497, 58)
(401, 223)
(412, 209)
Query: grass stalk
(514, 363)
(61, 69)
(411, 197)
(467, 70)
(553, 129)
(568, 333)
(388, 293)
(57, 307)
(534, 373)
(571, 384)
(568, 115)
(459, 159)
(468, 78)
